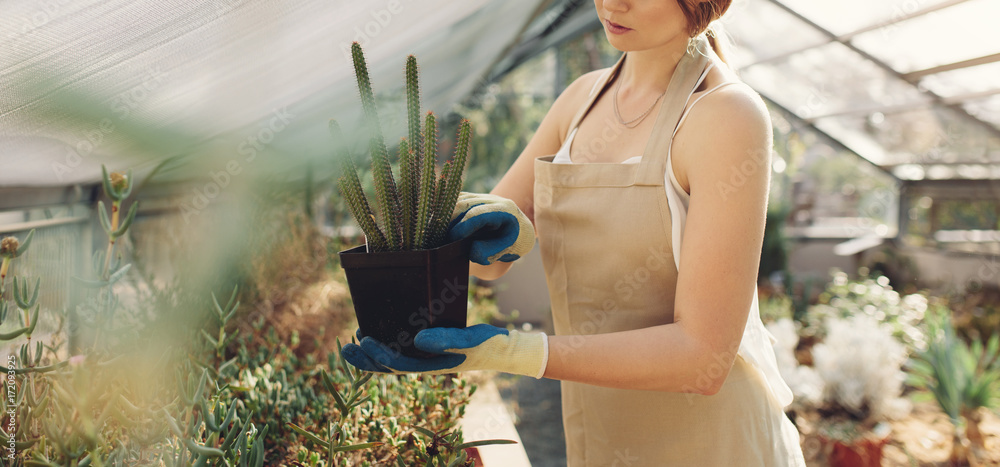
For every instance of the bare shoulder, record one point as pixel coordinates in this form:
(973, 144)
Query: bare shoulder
(573, 97)
(733, 107)
(726, 127)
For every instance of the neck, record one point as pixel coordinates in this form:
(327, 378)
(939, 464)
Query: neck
(650, 70)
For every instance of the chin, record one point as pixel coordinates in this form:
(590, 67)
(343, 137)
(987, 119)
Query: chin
(621, 44)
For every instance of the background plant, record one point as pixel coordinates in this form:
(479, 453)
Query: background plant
(860, 365)
(104, 405)
(872, 297)
(964, 379)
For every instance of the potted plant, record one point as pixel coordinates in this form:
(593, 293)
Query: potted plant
(405, 278)
(860, 365)
(964, 380)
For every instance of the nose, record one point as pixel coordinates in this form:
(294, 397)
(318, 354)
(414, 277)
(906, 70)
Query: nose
(617, 6)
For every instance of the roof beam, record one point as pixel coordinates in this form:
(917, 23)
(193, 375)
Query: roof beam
(850, 35)
(915, 76)
(957, 99)
(833, 139)
(888, 69)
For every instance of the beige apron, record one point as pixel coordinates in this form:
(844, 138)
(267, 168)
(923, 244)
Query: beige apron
(604, 233)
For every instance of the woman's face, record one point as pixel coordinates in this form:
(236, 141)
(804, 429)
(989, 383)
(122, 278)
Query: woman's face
(633, 25)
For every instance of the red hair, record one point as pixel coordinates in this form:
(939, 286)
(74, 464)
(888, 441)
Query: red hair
(700, 13)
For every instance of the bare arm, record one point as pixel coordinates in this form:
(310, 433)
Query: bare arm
(729, 131)
(518, 184)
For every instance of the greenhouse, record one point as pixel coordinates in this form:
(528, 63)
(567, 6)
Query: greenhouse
(193, 201)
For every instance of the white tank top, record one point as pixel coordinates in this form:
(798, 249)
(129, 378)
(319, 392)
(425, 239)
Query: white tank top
(757, 344)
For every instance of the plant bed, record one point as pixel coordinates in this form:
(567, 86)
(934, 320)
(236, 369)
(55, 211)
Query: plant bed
(399, 293)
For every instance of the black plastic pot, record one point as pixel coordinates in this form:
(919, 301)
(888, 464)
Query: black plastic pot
(397, 294)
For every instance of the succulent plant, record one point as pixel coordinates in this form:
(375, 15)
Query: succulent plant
(117, 187)
(415, 213)
(963, 378)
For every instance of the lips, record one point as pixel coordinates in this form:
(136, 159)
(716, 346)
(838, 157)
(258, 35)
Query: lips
(616, 28)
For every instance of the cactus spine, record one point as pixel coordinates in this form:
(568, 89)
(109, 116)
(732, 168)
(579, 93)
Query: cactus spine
(425, 202)
(385, 185)
(354, 195)
(450, 184)
(414, 215)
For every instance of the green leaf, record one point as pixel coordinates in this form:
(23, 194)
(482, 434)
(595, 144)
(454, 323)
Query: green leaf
(90, 284)
(13, 334)
(328, 381)
(356, 447)
(108, 189)
(34, 321)
(340, 403)
(311, 437)
(21, 292)
(424, 431)
(203, 450)
(128, 186)
(128, 220)
(210, 338)
(26, 243)
(119, 274)
(103, 215)
(485, 442)
(227, 442)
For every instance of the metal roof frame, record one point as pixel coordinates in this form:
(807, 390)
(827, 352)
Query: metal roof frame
(910, 78)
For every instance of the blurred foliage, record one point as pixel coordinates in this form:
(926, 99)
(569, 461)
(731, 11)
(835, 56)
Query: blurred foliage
(975, 309)
(775, 307)
(586, 53)
(927, 216)
(167, 376)
(775, 246)
(872, 296)
(966, 214)
(963, 378)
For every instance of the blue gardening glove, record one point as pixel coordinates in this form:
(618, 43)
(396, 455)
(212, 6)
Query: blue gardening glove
(498, 229)
(479, 347)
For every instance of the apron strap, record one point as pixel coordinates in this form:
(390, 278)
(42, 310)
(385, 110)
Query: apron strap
(682, 84)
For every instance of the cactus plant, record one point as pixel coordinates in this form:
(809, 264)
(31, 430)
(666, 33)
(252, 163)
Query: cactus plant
(414, 214)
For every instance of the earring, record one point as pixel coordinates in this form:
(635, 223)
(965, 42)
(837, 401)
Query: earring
(692, 45)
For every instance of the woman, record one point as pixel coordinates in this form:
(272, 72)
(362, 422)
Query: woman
(659, 345)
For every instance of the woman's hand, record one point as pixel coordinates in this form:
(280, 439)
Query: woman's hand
(479, 347)
(498, 229)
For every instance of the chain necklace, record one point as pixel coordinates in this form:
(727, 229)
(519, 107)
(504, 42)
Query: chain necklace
(637, 120)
